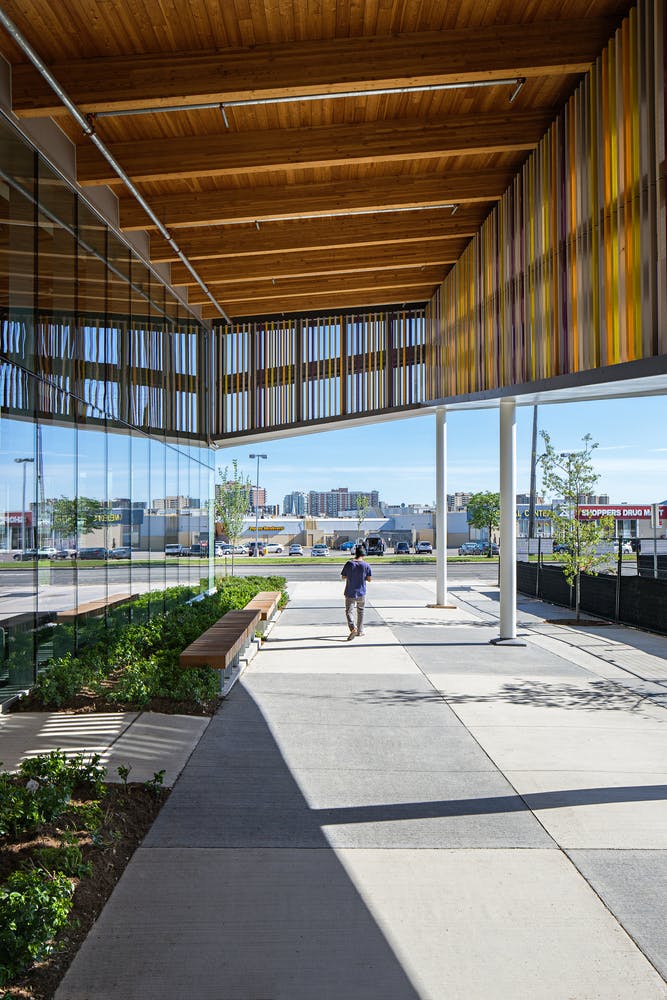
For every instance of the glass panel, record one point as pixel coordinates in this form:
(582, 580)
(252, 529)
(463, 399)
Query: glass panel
(18, 584)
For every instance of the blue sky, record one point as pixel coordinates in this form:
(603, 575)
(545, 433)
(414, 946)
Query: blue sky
(397, 457)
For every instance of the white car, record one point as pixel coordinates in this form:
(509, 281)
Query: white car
(273, 549)
(320, 549)
(295, 549)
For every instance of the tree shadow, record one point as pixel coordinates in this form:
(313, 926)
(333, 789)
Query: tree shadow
(597, 696)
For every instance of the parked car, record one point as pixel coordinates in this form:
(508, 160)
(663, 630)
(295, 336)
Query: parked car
(199, 549)
(120, 552)
(560, 547)
(295, 549)
(176, 550)
(375, 545)
(402, 549)
(96, 552)
(423, 549)
(320, 549)
(347, 546)
(274, 549)
(48, 552)
(256, 548)
(64, 554)
(470, 549)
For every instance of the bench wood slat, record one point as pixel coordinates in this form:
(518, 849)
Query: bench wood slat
(266, 601)
(218, 646)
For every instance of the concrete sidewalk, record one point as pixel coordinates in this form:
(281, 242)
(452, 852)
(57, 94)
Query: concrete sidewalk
(413, 814)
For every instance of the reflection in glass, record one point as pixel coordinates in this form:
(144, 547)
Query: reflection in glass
(99, 411)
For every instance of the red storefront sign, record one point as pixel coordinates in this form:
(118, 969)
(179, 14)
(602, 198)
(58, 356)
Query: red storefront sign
(623, 512)
(17, 517)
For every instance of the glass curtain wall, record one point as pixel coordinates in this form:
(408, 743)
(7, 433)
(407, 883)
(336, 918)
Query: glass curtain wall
(102, 430)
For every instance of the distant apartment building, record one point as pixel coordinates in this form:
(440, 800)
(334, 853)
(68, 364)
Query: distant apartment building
(458, 501)
(176, 503)
(257, 497)
(332, 503)
(595, 499)
(296, 503)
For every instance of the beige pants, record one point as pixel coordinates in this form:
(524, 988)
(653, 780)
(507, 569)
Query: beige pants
(350, 603)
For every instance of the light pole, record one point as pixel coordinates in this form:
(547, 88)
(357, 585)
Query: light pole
(257, 503)
(23, 462)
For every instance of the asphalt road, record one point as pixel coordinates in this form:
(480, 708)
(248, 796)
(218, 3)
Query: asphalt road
(11, 579)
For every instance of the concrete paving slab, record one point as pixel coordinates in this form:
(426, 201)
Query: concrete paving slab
(400, 925)
(570, 701)
(467, 651)
(303, 745)
(574, 748)
(595, 809)
(155, 742)
(633, 884)
(287, 654)
(26, 734)
(350, 699)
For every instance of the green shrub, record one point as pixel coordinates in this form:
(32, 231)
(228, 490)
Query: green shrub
(60, 680)
(34, 905)
(23, 808)
(57, 768)
(145, 653)
(66, 858)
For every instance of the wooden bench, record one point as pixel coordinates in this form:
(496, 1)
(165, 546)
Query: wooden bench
(83, 611)
(265, 601)
(219, 646)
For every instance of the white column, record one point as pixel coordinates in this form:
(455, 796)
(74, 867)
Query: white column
(441, 506)
(507, 519)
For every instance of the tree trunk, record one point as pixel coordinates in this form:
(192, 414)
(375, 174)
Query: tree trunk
(577, 596)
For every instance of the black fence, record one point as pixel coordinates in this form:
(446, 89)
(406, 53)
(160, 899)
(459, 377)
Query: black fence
(631, 600)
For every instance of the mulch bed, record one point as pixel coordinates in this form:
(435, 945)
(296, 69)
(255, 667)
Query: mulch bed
(84, 702)
(128, 815)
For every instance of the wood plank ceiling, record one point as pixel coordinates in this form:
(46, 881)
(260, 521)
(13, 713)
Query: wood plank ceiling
(320, 203)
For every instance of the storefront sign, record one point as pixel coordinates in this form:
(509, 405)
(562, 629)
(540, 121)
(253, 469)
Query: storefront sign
(266, 527)
(17, 517)
(637, 512)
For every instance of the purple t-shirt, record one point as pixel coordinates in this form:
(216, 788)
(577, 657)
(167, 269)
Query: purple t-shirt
(355, 572)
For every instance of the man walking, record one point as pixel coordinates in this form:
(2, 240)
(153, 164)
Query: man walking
(356, 572)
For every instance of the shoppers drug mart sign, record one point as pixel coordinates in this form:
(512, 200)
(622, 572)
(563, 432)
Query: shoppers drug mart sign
(636, 512)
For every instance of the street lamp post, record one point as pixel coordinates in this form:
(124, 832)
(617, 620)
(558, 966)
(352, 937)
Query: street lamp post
(23, 462)
(257, 502)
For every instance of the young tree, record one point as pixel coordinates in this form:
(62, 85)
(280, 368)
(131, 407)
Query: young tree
(569, 476)
(362, 510)
(232, 502)
(484, 512)
(74, 517)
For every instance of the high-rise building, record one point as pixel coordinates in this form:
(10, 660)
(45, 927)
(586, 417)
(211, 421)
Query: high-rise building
(296, 503)
(331, 503)
(458, 501)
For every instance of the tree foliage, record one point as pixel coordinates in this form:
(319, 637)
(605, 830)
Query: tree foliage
(484, 512)
(76, 516)
(570, 476)
(363, 504)
(232, 502)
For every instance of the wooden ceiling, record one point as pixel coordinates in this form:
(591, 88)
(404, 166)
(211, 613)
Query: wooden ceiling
(325, 203)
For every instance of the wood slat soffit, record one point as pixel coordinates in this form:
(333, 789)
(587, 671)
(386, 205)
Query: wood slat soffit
(354, 201)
